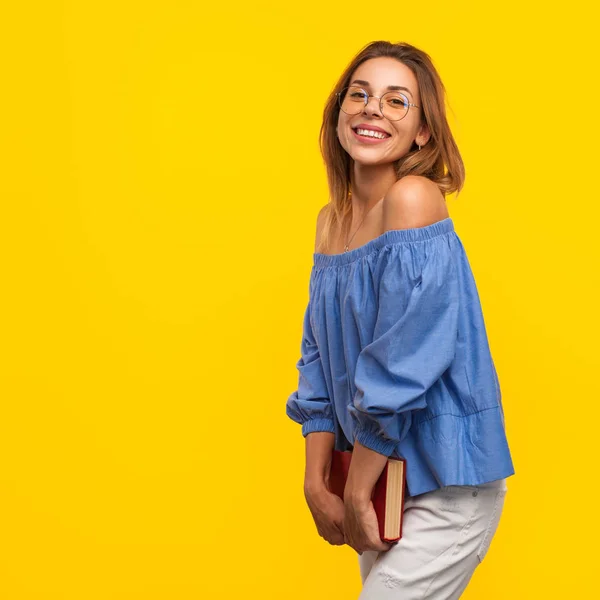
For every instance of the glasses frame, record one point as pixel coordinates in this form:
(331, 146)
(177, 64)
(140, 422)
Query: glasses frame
(369, 96)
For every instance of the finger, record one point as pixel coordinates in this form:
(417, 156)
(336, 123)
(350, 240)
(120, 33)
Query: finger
(376, 543)
(356, 546)
(335, 538)
(349, 541)
(383, 546)
(355, 549)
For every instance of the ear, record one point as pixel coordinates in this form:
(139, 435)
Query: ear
(423, 135)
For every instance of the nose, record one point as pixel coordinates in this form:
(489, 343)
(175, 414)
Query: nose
(373, 107)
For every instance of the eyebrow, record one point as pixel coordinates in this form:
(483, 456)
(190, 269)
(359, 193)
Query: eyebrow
(389, 87)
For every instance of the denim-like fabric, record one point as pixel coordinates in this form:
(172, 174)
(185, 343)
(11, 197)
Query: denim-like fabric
(395, 355)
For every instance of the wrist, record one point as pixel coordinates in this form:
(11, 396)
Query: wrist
(365, 468)
(315, 485)
(319, 447)
(357, 496)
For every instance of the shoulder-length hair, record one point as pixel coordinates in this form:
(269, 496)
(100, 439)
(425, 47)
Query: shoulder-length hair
(440, 152)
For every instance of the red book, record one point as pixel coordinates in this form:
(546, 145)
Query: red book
(388, 492)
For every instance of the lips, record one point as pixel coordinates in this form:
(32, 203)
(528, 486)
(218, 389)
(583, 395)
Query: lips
(371, 128)
(367, 139)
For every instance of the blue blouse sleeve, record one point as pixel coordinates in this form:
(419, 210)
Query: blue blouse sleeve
(310, 404)
(414, 342)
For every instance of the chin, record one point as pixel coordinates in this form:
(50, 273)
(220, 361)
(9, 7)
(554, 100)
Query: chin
(368, 156)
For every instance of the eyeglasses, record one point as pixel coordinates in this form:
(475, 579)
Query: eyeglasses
(393, 105)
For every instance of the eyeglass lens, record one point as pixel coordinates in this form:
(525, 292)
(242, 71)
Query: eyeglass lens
(352, 100)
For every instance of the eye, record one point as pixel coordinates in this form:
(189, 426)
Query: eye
(397, 100)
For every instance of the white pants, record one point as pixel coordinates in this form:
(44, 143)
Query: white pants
(446, 534)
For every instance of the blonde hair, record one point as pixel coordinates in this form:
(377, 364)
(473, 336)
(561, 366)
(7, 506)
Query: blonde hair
(440, 152)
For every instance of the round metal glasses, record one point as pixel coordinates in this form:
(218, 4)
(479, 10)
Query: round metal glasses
(393, 105)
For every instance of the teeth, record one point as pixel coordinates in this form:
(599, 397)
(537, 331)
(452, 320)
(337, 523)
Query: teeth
(370, 133)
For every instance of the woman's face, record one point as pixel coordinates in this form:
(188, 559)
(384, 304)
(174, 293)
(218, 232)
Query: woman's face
(374, 76)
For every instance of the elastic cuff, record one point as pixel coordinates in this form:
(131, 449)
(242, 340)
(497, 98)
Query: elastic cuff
(378, 444)
(317, 425)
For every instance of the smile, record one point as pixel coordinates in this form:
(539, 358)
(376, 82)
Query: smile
(369, 137)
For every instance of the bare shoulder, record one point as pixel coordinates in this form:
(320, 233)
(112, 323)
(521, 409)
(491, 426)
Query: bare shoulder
(320, 222)
(413, 201)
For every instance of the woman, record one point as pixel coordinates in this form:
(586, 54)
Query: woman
(395, 358)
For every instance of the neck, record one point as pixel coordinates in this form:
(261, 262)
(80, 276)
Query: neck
(369, 184)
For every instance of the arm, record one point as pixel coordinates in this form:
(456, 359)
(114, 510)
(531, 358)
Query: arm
(319, 446)
(413, 343)
(365, 468)
(310, 404)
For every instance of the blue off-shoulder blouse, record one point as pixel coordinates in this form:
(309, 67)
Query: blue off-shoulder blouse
(395, 355)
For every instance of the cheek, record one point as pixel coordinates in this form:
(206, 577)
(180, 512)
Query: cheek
(342, 133)
(403, 140)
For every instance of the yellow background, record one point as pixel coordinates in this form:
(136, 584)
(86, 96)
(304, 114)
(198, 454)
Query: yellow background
(159, 194)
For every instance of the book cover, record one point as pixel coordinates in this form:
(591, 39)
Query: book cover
(387, 496)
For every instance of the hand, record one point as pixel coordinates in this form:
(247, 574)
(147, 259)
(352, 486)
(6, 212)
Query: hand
(328, 513)
(361, 527)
